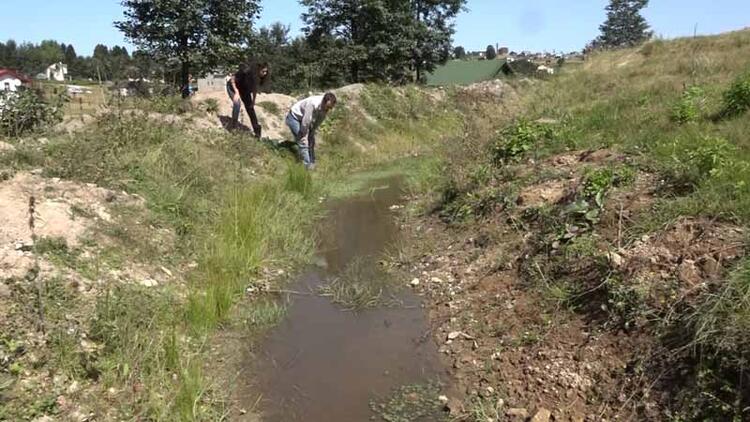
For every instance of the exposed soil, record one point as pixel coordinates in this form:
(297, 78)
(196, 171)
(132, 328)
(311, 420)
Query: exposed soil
(513, 345)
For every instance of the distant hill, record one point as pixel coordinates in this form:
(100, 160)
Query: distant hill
(465, 72)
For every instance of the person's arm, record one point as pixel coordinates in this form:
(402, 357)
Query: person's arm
(236, 91)
(307, 119)
(255, 95)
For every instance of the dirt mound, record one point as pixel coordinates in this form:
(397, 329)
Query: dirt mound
(270, 108)
(550, 192)
(694, 252)
(62, 210)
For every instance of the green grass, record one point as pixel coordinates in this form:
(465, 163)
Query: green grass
(465, 72)
(230, 221)
(674, 108)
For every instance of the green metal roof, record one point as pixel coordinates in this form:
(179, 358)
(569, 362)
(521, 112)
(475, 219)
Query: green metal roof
(465, 72)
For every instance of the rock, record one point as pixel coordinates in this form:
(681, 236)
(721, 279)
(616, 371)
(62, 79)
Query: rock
(443, 399)
(4, 291)
(542, 415)
(616, 260)
(73, 388)
(454, 335)
(415, 282)
(149, 283)
(688, 273)
(454, 407)
(517, 414)
(711, 267)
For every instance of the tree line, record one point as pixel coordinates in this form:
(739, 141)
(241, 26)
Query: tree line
(343, 41)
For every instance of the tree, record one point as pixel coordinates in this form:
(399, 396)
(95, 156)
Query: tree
(490, 53)
(380, 39)
(459, 53)
(198, 34)
(624, 27)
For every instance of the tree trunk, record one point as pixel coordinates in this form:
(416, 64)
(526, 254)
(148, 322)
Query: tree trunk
(185, 78)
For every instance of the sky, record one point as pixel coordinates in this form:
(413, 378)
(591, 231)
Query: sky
(535, 25)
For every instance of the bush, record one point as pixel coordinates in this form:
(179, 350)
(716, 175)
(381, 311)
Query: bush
(737, 97)
(211, 105)
(689, 106)
(513, 142)
(26, 111)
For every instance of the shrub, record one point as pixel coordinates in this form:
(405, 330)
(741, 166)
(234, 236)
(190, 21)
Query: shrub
(270, 107)
(513, 142)
(26, 111)
(689, 106)
(211, 105)
(737, 97)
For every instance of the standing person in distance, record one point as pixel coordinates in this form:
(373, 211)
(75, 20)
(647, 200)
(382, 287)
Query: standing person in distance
(244, 85)
(304, 119)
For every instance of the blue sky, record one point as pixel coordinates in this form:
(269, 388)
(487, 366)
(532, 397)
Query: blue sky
(520, 25)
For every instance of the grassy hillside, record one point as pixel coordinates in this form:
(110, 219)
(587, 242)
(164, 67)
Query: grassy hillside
(614, 199)
(464, 72)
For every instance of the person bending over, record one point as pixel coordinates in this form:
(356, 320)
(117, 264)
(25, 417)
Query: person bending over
(304, 119)
(244, 85)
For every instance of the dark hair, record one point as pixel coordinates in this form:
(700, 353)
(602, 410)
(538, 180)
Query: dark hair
(330, 97)
(248, 77)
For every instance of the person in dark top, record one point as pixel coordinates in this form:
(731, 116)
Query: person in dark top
(244, 85)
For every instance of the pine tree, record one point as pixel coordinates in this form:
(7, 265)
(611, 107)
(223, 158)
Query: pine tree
(625, 26)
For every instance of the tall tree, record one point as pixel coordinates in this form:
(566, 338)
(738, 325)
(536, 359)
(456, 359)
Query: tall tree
(625, 26)
(490, 53)
(434, 29)
(381, 39)
(459, 52)
(198, 34)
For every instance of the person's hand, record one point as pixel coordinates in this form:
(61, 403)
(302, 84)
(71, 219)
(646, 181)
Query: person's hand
(236, 98)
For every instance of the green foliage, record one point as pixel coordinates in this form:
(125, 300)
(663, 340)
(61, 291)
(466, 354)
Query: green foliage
(199, 34)
(513, 142)
(211, 106)
(299, 180)
(688, 108)
(737, 97)
(625, 26)
(270, 107)
(694, 160)
(26, 111)
(490, 53)
(598, 182)
(407, 35)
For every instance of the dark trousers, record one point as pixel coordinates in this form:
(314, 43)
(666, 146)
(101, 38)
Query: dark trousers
(249, 107)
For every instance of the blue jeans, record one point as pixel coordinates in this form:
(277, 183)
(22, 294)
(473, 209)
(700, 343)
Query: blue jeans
(236, 105)
(306, 145)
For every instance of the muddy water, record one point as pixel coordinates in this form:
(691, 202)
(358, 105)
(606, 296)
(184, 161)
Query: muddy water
(325, 364)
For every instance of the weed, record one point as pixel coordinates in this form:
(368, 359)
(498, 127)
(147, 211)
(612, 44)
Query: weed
(360, 286)
(514, 141)
(411, 403)
(690, 105)
(211, 105)
(299, 180)
(270, 107)
(26, 111)
(737, 97)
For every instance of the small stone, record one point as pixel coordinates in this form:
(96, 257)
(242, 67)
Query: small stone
(166, 271)
(542, 415)
(4, 291)
(517, 414)
(616, 259)
(443, 399)
(149, 283)
(73, 388)
(454, 335)
(436, 280)
(415, 282)
(243, 411)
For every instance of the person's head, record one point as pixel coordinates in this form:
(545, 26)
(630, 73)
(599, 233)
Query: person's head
(329, 101)
(263, 70)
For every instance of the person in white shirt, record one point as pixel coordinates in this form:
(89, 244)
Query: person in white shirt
(304, 119)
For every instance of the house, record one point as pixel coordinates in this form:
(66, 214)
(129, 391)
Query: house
(212, 82)
(10, 80)
(57, 72)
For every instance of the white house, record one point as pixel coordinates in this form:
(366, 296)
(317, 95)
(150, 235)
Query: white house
(57, 72)
(10, 80)
(212, 82)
